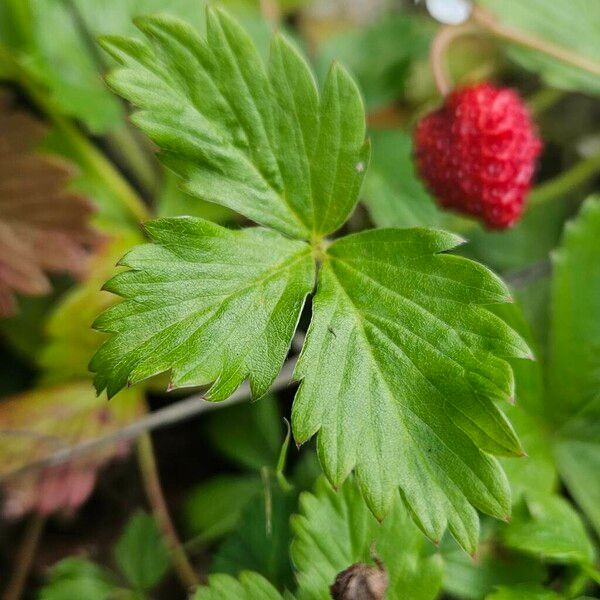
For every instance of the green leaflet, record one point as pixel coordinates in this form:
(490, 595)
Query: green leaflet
(206, 303)
(336, 529)
(399, 369)
(258, 141)
(250, 586)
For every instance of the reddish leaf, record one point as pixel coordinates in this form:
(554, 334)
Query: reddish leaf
(36, 424)
(43, 226)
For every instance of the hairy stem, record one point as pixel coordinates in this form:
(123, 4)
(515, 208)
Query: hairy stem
(24, 557)
(156, 499)
(488, 21)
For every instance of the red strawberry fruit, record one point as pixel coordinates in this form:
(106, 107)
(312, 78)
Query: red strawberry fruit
(477, 153)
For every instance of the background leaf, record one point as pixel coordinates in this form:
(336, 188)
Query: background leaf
(141, 554)
(214, 508)
(571, 24)
(78, 578)
(248, 587)
(574, 366)
(39, 422)
(43, 226)
(261, 540)
(547, 526)
(394, 196)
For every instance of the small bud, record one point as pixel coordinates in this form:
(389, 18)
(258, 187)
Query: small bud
(361, 582)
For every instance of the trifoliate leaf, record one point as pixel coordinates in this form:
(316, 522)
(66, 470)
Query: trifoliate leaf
(43, 421)
(257, 140)
(399, 371)
(141, 554)
(78, 578)
(207, 303)
(249, 586)
(569, 24)
(43, 226)
(335, 530)
(547, 526)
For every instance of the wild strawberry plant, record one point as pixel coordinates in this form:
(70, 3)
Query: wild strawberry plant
(403, 362)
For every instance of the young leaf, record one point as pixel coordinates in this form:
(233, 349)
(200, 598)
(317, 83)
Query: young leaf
(399, 369)
(78, 578)
(206, 303)
(249, 586)
(43, 227)
(261, 143)
(336, 529)
(141, 554)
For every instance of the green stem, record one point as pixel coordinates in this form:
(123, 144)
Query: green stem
(156, 499)
(565, 182)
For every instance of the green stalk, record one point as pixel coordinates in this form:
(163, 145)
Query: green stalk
(565, 182)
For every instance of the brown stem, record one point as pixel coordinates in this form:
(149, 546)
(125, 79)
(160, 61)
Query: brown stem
(24, 558)
(439, 50)
(488, 21)
(156, 499)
